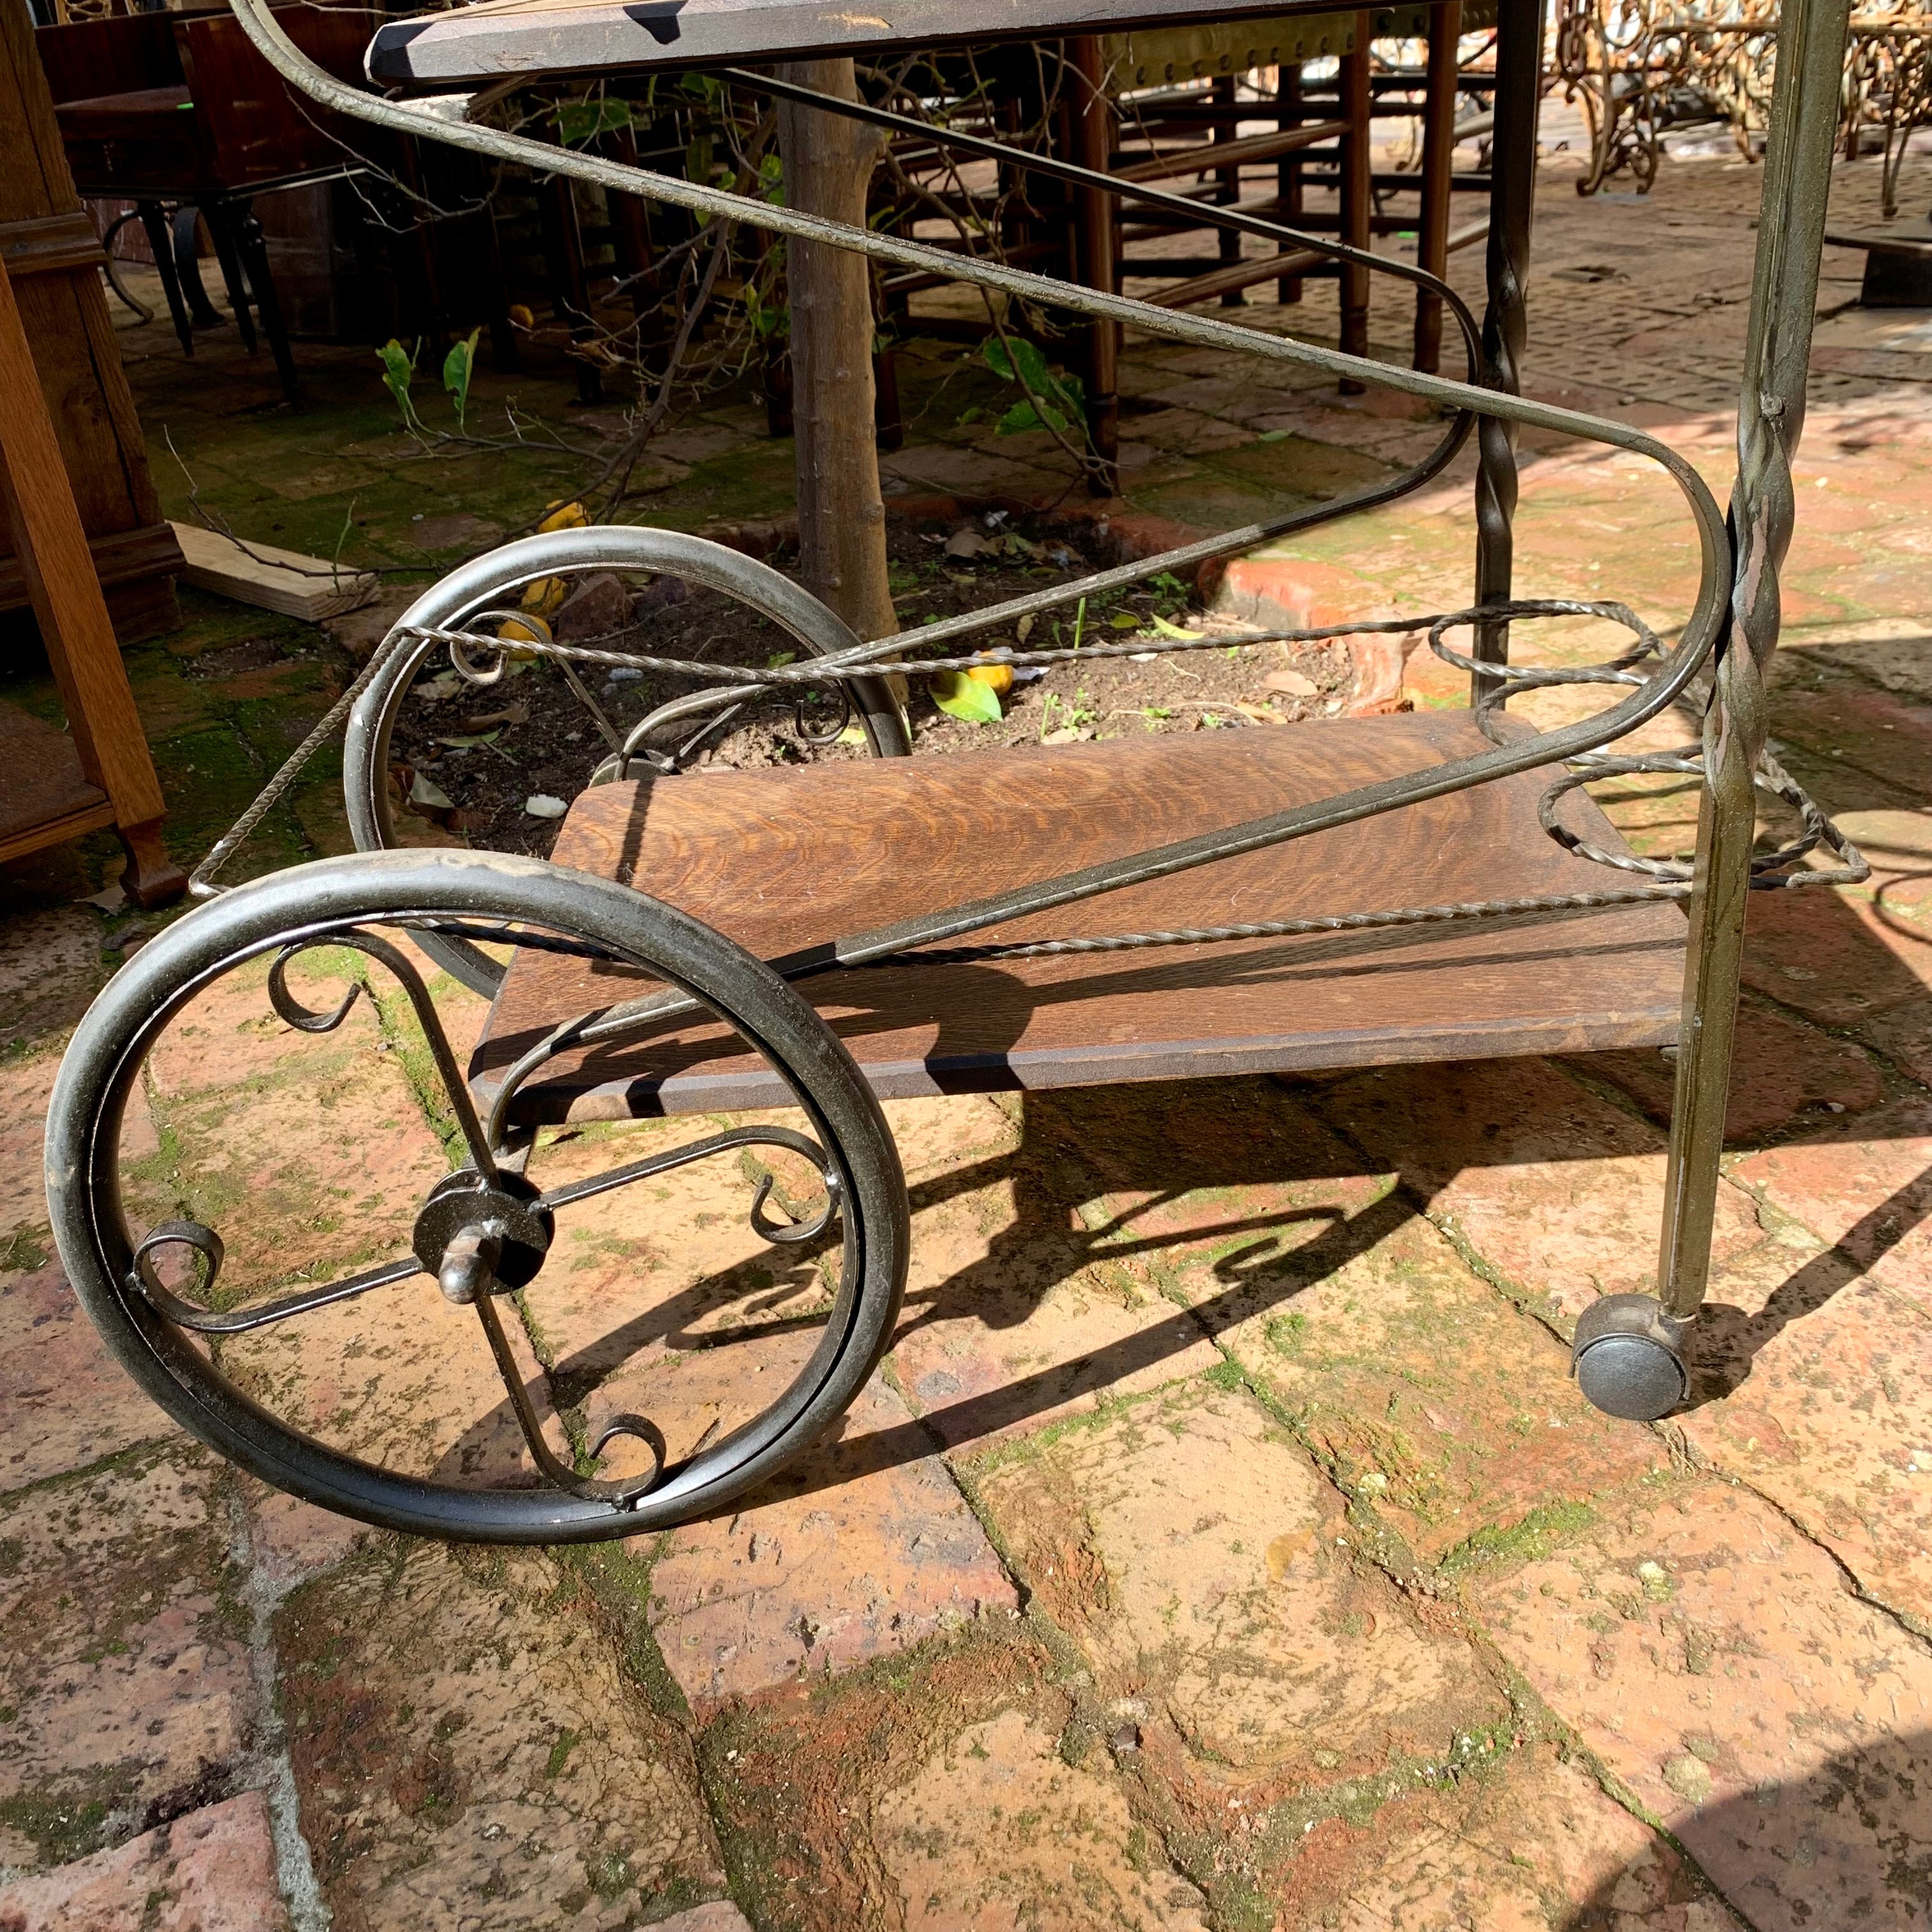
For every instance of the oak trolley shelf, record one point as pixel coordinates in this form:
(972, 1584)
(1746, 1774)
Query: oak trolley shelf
(785, 859)
(774, 950)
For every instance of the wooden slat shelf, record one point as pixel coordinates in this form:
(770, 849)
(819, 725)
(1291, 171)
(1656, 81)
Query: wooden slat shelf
(783, 858)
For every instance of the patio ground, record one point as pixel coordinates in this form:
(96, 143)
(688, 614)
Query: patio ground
(1223, 1543)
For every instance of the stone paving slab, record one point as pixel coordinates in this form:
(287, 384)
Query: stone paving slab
(1542, 1845)
(1448, 1414)
(125, 1670)
(65, 1403)
(1865, 1186)
(864, 1548)
(1845, 962)
(1209, 1574)
(998, 1830)
(210, 1870)
(1832, 1420)
(468, 1751)
(1786, 1074)
(1716, 1662)
(1017, 1312)
(1558, 1191)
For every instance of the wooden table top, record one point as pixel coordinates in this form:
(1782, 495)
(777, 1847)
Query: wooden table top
(491, 39)
(787, 858)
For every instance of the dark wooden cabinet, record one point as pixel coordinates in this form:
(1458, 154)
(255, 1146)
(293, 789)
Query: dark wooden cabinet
(53, 258)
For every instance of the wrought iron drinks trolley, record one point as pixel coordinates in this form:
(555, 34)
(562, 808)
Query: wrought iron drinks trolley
(1171, 907)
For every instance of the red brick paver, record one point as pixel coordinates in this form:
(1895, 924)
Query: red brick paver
(1714, 1660)
(213, 1870)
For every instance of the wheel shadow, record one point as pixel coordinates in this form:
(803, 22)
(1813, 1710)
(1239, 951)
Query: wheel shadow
(1074, 1151)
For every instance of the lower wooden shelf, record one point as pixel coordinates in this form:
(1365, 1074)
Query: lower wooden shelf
(783, 858)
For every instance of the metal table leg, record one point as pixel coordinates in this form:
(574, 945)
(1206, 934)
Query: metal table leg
(160, 242)
(1505, 322)
(1627, 1349)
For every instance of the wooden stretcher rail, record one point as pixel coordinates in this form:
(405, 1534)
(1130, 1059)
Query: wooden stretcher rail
(486, 41)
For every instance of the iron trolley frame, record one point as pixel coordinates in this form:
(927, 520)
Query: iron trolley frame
(1627, 1349)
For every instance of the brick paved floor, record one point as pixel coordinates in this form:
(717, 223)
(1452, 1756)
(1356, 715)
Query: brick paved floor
(1223, 1544)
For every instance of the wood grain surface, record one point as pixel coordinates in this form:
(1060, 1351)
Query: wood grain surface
(494, 38)
(44, 798)
(782, 859)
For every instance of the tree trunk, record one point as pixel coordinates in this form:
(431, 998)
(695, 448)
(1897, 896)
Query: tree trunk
(841, 518)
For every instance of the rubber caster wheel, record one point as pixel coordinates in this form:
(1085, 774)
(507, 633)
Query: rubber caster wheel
(262, 1339)
(1627, 1358)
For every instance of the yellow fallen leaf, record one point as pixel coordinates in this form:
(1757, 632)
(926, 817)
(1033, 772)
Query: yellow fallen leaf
(543, 597)
(998, 677)
(564, 517)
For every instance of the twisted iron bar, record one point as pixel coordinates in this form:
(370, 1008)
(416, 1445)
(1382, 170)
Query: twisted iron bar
(1505, 320)
(1771, 413)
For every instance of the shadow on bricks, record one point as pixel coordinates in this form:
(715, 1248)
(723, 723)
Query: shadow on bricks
(1110, 1181)
(1776, 1846)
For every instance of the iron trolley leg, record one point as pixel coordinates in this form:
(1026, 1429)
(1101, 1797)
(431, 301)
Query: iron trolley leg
(1628, 1348)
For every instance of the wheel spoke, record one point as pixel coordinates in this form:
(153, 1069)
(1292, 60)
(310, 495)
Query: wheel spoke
(558, 1473)
(291, 1009)
(695, 1151)
(206, 1243)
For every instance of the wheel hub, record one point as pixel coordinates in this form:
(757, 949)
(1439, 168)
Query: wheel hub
(482, 1236)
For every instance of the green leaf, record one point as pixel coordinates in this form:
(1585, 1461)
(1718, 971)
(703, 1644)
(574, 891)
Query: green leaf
(1023, 416)
(1030, 366)
(457, 367)
(1273, 436)
(398, 366)
(580, 121)
(1125, 620)
(959, 696)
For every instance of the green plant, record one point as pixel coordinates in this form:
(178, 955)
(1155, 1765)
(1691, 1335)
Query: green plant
(960, 696)
(1054, 402)
(578, 122)
(399, 365)
(457, 367)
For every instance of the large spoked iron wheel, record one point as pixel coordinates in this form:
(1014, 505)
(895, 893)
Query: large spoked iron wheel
(488, 594)
(489, 1252)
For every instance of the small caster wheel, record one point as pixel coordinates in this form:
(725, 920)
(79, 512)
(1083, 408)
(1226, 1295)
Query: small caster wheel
(1626, 1360)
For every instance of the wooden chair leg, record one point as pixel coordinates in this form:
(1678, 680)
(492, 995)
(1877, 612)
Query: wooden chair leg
(65, 593)
(1288, 170)
(1355, 196)
(1093, 116)
(161, 241)
(1227, 241)
(1440, 101)
(185, 251)
(220, 220)
(252, 246)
